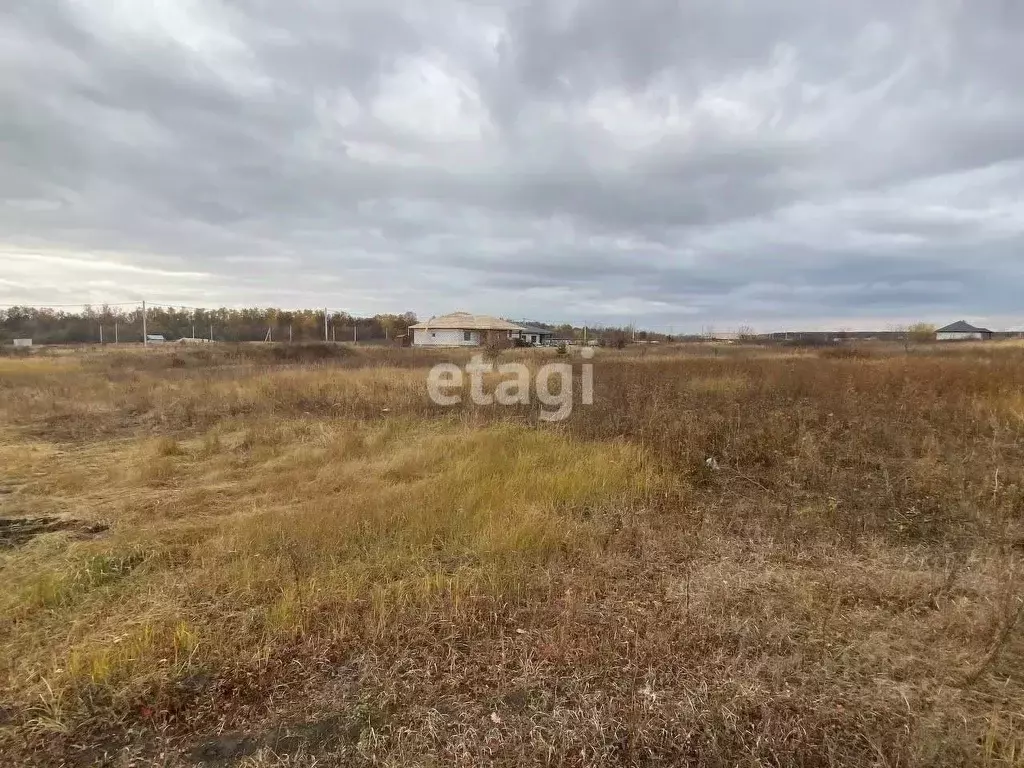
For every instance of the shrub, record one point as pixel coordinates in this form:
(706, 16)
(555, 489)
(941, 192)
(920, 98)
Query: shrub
(492, 350)
(921, 333)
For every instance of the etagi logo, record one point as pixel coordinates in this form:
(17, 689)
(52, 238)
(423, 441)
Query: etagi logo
(517, 386)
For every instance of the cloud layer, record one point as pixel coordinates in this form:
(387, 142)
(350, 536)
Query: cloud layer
(713, 162)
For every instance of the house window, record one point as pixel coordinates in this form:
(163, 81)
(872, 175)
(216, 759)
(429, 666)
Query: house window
(433, 335)
(467, 336)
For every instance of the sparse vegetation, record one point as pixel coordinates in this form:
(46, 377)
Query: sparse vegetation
(921, 333)
(736, 556)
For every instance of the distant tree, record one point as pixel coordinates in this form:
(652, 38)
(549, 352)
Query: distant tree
(921, 332)
(615, 338)
(746, 333)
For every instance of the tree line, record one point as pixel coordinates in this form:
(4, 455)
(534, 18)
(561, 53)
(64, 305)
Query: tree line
(91, 325)
(109, 324)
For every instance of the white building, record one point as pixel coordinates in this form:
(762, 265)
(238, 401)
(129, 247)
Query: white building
(962, 331)
(463, 329)
(23, 342)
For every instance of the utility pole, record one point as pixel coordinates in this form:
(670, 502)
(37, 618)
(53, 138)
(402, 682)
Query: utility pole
(326, 338)
(211, 331)
(101, 335)
(145, 334)
(115, 333)
(289, 334)
(355, 333)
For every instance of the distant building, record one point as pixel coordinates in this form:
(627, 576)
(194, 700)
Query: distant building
(463, 329)
(155, 338)
(962, 331)
(533, 334)
(23, 342)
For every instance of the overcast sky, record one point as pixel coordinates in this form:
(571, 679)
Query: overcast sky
(677, 163)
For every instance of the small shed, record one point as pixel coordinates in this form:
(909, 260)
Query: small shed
(155, 338)
(23, 342)
(962, 331)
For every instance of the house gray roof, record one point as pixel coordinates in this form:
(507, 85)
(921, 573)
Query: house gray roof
(537, 330)
(962, 326)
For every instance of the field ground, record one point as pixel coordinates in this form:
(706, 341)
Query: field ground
(288, 556)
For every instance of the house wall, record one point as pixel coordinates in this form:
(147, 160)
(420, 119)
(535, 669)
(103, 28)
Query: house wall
(959, 336)
(532, 338)
(444, 337)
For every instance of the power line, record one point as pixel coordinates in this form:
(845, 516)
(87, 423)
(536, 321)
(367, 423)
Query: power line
(151, 305)
(167, 305)
(61, 306)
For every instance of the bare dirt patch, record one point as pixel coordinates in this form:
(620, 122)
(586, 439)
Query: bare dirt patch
(284, 740)
(17, 531)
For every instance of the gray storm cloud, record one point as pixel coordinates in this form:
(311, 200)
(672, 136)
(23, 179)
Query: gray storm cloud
(671, 164)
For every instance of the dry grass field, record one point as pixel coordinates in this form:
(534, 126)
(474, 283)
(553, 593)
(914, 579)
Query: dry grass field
(288, 556)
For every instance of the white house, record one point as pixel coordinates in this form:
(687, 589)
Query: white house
(463, 329)
(962, 331)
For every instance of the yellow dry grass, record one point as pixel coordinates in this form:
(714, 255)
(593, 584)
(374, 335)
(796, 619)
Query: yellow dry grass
(318, 561)
(238, 539)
